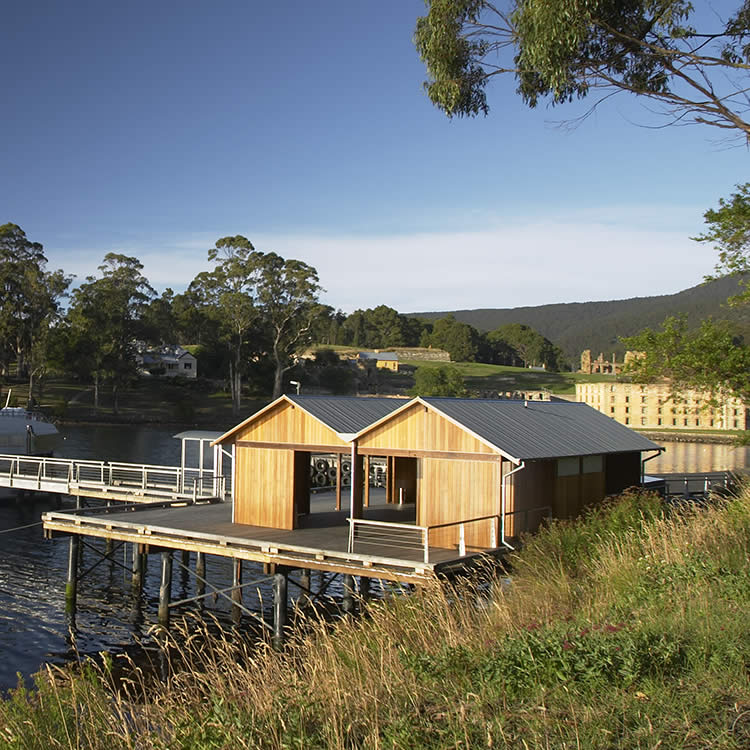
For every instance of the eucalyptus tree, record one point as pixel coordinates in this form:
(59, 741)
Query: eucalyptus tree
(105, 320)
(227, 295)
(249, 291)
(287, 295)
(29, 301)
(692, 64)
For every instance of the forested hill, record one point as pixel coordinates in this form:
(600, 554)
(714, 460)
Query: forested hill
(598, 326)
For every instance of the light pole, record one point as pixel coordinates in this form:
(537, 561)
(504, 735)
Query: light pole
(296, 384)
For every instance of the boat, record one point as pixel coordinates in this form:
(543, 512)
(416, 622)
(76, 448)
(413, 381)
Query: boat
(26, 432)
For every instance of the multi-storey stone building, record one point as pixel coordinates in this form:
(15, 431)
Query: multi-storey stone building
(652, 406)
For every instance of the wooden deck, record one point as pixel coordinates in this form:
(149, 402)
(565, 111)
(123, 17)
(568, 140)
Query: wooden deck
(320, 543)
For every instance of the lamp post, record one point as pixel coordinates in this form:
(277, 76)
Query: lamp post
(296, 384)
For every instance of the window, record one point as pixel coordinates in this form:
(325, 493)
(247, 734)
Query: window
(627, 410)
(593, 464)
(568, 467)
(643, 399)
(627, 420)
(611, 409)
(658, 421)
(643, 420)
(643, 410)
(188, 365)
(627, 399)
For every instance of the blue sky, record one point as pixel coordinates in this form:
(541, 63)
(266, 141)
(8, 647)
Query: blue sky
(155, 128)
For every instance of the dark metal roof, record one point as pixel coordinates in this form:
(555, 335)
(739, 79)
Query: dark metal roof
(348, 414)
(542, 429)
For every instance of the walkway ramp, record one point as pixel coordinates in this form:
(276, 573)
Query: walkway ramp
(109, 480)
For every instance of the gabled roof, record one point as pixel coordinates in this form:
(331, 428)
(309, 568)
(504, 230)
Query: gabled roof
(348, 414)
(344, 415)
(541, 429)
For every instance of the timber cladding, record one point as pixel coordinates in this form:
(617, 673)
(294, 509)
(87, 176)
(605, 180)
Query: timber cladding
(287, 423)
(419, 428)
(451, 491)
(265, 479)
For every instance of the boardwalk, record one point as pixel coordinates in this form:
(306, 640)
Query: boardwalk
(107, 480)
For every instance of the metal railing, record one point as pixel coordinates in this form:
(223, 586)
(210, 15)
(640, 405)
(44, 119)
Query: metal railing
(410, 537)
(70, 476)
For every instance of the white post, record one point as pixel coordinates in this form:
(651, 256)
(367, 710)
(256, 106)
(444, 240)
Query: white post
(351, 498)
(234, 476)
(461, 541)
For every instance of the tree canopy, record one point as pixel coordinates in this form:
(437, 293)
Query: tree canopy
(441, 380)
(729, 232)
(712, 357)
(693, 64)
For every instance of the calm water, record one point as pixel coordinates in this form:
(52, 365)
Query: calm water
(33, 626)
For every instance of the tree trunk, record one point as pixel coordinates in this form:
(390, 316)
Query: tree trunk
(115, 398)
(235, 383)
(96, 390)
(30, 403)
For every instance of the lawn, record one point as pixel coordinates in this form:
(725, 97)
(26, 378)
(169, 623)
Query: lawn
(485, 378)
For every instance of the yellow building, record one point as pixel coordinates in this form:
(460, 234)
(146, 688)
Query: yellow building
(651, 406)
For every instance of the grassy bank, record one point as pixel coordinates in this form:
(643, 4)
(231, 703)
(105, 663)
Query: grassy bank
(628, 629)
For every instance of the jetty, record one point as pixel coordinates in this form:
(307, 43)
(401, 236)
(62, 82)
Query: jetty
(464, 478)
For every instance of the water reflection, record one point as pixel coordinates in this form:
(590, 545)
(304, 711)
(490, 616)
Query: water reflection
(698, 458)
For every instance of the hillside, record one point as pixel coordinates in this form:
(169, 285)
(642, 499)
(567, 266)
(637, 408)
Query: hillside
(575, 326)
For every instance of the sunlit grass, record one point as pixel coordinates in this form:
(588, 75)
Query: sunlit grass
(627, 629)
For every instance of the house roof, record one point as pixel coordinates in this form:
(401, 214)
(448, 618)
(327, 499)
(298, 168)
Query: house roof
(345, 415)
(379, 356)
(348, 414)
(541, 429)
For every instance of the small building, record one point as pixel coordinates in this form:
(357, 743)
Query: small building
(167, 361)
(654, 406)
(272, 451)
(381, 360)
(475, 472)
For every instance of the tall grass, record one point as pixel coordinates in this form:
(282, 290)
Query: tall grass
(625, 629)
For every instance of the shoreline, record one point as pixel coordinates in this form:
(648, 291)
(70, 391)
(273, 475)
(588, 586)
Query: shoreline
(690, 437)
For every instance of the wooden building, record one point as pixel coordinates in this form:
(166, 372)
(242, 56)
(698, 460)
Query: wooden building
(476, 472)
(272, 450)
(472, 463)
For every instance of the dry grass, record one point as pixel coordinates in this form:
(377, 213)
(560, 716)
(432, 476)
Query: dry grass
(627, 629)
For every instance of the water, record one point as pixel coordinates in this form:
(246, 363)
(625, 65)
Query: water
(698, 458)
(33, 626)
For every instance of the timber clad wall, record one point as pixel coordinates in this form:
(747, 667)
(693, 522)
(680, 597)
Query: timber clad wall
(451, 490)
(289, 424)
(526, 492)
(421, 429)
(264, 474)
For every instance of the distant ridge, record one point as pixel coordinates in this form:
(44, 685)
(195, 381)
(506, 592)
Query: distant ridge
(575, 326)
